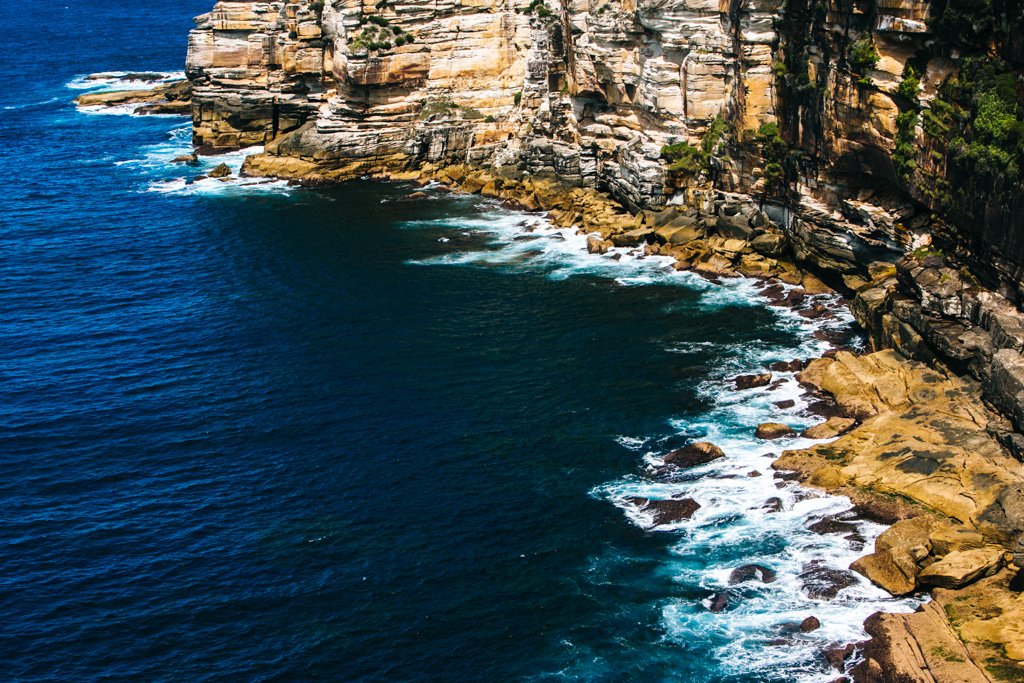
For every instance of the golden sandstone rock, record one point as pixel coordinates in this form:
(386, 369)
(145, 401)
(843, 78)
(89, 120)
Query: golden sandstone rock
(924, 438)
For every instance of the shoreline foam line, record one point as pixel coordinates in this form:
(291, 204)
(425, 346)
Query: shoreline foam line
(742, 520)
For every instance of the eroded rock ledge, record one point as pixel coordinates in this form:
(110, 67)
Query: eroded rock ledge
(927, 439)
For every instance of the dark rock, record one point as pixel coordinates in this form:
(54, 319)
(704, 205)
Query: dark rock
(838, 655)
(832, 526)
(825, 408)
(774, 293)
(699, 453)
(772, 505)
(754, 473)
(795, 365)
(824, 583)
(751, 571)
(734, 227)
(667, 511)
(814, 312)
(719, 601)
(788, 403)
(810, 624)
(753, 381)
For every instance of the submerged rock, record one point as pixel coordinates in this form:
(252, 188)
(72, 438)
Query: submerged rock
(824, 583)
(667, 511)
(719, 601)
(833, 526)
(752, 571)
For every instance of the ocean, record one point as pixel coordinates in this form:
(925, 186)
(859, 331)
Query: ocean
(252, 432)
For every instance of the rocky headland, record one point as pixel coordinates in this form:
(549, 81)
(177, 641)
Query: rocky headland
(873, 147)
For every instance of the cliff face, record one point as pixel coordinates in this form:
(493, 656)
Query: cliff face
(866, 128)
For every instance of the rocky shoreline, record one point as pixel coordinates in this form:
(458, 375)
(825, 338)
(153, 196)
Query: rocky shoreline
(916, 446)
(926, 426)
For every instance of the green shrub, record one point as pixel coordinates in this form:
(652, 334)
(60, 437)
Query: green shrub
(518, 97)
(684, 159)
(904, 155)
(910, 85)
(863, 57)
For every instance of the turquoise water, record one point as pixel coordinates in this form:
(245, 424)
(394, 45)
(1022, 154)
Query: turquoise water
(253, 432)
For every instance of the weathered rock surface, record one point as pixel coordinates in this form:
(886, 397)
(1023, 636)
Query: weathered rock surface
(174, 97)
(925, 435)
(830, 428)
(962, 567)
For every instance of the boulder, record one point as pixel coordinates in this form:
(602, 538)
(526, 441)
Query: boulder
(810, 624)
(698, 453)
(962, 567)
(596, 245)
(684, 235)
(735, 227)
(949, 538)
(795, 365)
(769, 244)
(753, 381)
(773, 430)
(633, 238)
(830, 428)
(220, 171)
(719, 601)
(751, 571)
(898, 550)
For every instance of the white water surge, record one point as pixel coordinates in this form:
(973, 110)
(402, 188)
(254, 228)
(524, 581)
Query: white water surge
(747, 516)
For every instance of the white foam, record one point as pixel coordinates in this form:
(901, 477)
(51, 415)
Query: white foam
(733, 525)
(119, 80)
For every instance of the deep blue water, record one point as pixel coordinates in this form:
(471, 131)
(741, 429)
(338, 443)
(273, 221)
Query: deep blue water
(261, 433)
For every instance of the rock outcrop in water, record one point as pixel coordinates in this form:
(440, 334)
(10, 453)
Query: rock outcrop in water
(765, 138)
